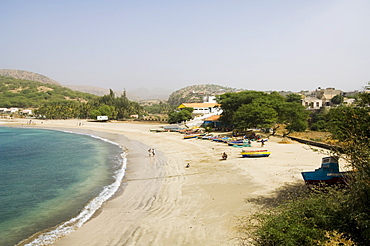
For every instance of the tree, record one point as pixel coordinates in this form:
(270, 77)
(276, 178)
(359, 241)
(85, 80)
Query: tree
(318, 119)
(294, 116)
(350, 127)
(180, 116)
(337, 99)
(105, 110)
(294, 98)
(254, 116)
(258, 109)
(230, 103)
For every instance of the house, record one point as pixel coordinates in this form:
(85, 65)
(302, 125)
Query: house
(326, 95)
(312, 102)
(349, 100)
(26, 112)
(214, 121)
(201, 108)
(13, 110)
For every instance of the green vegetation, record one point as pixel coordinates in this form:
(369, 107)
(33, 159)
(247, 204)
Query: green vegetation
(57, 102)
(256, 109)
(305, 220)
(108, 105)
(30, 94)
(340, 216)
(160, 108)
(338, 99)
(179, 116)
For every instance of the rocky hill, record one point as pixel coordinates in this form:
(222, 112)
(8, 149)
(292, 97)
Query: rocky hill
(21, 74)
(197, 93)
(26, 75)
(23, 93)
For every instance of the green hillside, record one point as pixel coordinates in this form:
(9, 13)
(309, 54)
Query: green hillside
(23, 93)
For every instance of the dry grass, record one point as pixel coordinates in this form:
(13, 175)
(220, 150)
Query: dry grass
(314, 136)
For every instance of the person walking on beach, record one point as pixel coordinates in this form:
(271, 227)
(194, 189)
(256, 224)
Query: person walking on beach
(262, 142)
(153, 152)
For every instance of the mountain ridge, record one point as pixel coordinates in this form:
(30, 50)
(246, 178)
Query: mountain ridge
(23, 74)
(193, 93)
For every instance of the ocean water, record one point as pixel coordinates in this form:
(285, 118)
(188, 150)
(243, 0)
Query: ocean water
(53, 179)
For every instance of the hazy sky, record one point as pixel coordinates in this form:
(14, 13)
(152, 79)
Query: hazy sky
(258, 45)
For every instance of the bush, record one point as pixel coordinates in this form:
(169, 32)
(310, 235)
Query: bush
(310, 220)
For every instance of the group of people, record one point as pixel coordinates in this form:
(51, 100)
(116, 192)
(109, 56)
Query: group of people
(151, 152)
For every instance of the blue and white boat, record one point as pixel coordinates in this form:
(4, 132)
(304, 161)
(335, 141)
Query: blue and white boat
(328, 173)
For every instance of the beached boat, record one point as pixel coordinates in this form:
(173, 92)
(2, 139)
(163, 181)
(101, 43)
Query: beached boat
(157, 130)
(219, 139)
(205, 137)
(328, 173)
(255, 153)
(190, 136)
(232, 142)
(241, 145)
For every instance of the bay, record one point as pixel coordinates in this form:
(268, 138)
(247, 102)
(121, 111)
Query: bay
(48, 177)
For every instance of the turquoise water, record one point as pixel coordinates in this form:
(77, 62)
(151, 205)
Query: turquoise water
(50, 177)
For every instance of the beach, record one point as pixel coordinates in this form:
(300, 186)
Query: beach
(163, 202)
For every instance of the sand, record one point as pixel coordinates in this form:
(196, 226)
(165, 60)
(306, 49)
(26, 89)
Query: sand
(162, 202)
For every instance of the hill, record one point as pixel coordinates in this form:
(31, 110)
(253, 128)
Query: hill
(21, 74)
(32, 94)
(197, 93)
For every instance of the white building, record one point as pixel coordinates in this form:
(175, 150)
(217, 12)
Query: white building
(312, 102)
(201, 108)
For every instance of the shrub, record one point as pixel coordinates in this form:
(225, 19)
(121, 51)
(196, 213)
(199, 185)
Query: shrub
(310, 220)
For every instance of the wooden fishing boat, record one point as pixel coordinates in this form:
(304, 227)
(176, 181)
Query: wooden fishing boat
(255, 153)
(328, 173)
(190, 136)
(233, 142)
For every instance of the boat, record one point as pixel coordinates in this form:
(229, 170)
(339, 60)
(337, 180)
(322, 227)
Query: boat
(220, 139)
(256, 153)
(157, 130)
(328, 173)
(191, 136)
(241, 144)
(233, 142)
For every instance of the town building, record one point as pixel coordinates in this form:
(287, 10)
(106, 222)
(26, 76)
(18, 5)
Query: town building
(201, 108)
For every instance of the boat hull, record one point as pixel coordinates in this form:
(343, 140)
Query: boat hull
(256, 153)
(324, 177)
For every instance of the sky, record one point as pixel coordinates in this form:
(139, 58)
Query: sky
(285, 45)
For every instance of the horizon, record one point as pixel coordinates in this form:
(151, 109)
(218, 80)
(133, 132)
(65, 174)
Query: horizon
(265, 46)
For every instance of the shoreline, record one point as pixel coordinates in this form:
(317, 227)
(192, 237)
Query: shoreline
(165, 203)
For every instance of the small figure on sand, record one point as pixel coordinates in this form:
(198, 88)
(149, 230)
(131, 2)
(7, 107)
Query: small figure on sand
(188, 165)
(151, 152)
(262, 142)
(224, 156)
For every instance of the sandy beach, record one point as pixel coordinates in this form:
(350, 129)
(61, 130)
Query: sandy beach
(162, 202)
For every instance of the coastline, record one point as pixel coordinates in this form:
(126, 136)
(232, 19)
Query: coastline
(165, 203)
